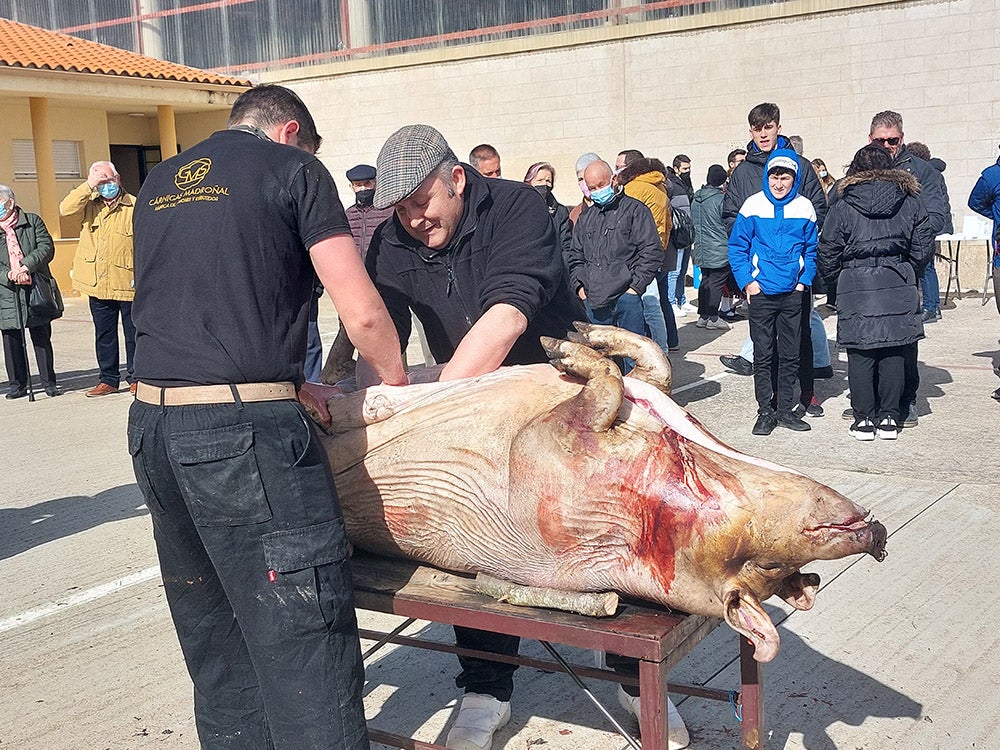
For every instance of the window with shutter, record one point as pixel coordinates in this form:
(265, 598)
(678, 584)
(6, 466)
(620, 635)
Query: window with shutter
(65, 158)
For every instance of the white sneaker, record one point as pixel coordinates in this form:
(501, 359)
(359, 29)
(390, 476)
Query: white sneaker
(478, 718)
(678, 311)
(689, 308)
(702, 323)
(718, 325)
(887, 429)
(677, 733)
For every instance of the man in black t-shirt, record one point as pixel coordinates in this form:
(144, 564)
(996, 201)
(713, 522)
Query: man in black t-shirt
(248, 528)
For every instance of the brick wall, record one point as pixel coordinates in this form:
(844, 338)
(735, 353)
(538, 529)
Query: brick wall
(689, 91)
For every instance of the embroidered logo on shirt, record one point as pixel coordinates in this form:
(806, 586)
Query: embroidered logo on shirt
(192, 173)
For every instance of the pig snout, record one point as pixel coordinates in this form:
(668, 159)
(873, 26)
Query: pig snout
(877, 536)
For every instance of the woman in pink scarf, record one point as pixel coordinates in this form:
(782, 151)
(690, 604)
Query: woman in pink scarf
(25, 248)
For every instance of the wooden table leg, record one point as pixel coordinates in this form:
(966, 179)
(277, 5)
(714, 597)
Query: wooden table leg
(751, 698)
(653, 705)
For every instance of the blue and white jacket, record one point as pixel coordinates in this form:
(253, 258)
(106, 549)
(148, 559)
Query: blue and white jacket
(773, 241)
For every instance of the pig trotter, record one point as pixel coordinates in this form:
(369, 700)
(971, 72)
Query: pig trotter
(596, 406)
(651, 364)
(590, 604)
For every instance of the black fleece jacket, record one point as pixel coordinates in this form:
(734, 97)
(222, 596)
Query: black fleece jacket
(504, 250)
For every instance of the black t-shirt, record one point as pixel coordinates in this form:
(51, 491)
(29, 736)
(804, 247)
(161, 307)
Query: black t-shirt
(223, 277)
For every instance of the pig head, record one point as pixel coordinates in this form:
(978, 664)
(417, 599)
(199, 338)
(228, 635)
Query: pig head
(586, 481)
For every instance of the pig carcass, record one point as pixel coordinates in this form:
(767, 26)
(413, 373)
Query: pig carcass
(569, 476)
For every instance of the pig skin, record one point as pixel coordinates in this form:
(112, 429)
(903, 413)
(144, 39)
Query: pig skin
(582, 480)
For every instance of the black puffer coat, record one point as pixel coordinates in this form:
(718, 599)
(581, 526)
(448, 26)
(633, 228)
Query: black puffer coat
(876, 243)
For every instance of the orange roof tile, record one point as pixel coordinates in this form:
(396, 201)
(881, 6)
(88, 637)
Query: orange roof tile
(23, 46)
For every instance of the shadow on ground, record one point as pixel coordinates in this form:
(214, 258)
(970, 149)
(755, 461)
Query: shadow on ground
(25, 528)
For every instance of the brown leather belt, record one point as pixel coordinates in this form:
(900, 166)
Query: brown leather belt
(185, 395)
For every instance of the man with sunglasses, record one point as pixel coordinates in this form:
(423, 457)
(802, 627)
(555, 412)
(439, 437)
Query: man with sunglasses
(887, 131)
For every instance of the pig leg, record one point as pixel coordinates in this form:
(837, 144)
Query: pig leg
(745, 615)
(651, 364)
(597, 405)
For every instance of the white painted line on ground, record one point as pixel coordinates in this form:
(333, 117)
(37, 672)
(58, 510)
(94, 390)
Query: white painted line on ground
(81, 597)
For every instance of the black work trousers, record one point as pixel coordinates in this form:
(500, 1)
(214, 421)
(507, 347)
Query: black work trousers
(15, 355)
(482, 676)
(253, 555)
(776, 332)
(876, 378)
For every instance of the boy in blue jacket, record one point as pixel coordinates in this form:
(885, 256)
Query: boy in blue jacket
(772, 251)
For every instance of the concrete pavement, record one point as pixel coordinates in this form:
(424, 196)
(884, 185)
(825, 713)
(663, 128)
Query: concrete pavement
(901, 654)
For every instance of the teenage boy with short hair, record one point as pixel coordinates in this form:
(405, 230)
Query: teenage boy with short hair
(772, 251)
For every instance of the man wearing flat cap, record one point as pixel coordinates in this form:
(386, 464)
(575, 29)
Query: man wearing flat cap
(478, 262)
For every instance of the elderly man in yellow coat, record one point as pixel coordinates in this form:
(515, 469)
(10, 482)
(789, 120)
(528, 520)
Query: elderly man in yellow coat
(102, 268)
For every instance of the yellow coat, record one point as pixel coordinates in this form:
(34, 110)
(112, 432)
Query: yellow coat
(102, 267)
(651, 189)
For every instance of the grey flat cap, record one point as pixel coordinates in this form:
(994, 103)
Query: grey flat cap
(407, 158)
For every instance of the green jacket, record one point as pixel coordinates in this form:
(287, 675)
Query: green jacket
(102, 267)
(38, 249)
(711, 241)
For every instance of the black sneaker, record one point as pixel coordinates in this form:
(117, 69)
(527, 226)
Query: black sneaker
(930, 316)
(996, 394)
(765, 424)
(52, 391)
(863, 430)
(908, 416)
(793, 422)
(737, 364)
(810, 409)
(887, 429)
(848, 413)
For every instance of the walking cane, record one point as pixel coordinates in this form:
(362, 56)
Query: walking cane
(24, 337)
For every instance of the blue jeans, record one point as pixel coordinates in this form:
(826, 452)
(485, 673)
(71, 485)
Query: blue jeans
(931, 289)
(105, 313)
(662, 283)
(314, 353)
(653, 314)
(625, 313)
(676, 279)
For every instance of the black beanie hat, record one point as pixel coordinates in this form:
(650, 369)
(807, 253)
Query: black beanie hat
(716, 175)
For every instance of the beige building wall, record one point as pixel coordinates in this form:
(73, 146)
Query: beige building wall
(88, 126)
(689, 91)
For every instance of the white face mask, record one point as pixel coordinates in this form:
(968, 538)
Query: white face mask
(822, 173)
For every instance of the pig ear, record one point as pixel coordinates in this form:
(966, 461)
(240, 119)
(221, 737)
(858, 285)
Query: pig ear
(745, 615)
(799, 590)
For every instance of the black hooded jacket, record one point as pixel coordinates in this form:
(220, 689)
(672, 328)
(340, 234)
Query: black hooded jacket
(748, 178)
(876, 244)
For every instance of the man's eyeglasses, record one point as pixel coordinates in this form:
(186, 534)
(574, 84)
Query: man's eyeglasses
(887, 141)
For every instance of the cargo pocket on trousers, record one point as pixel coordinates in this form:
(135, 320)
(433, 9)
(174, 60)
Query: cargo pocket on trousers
(218, 474)
(139, 468)
(310, 567)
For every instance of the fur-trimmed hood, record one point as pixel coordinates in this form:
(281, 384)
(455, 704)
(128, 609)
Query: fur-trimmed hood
(878, 193)
(640, 167)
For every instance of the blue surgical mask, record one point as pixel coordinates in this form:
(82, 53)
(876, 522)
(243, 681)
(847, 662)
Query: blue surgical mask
(603, 196)
(822, 173)
(3, 211)
(108, 190)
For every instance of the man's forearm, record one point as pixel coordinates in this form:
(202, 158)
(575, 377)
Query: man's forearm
(487, 344)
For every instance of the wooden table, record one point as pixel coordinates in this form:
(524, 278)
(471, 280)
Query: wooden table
(657, 637)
